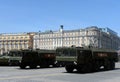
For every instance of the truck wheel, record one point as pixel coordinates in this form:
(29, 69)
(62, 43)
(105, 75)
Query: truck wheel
(33, 66)
(69, 68)
(55, 65)
(22, 66)
(10, 64)
(107, 65)
(87, 68)
(79, 67)
(44, 66)
(112, 65)
(96, 66)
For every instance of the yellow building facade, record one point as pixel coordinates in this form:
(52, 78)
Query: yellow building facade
(15, 41)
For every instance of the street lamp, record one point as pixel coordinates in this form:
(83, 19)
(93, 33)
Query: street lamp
(100, 45)
(39, 39)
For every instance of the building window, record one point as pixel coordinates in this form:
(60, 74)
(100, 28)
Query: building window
(16, 46)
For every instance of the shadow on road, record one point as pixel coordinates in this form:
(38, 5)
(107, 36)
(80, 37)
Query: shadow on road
(101, 70)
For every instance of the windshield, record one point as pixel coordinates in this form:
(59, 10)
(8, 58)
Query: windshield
(84, 53)
(4, 54)
(66, 52)
(15, 53)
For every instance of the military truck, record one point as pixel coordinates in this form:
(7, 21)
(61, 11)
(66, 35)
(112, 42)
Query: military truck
(4, 59)
(13, 57)
(86, 59)
(34, 58)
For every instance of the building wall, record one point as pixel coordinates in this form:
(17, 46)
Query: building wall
(15, 41)
(91, 36)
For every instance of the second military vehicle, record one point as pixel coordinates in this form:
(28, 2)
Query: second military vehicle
(13, 57)
(34, 58)
(86, 59)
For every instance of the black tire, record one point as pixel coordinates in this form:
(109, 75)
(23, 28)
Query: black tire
(22, 66)
(44, 66)
(107, 65)
(54, 65)
(10, 64)
(79, 67)
(87, 68)
(69, 68)
(33, 66)
(96, 66)
(112, 65)
(57, 65)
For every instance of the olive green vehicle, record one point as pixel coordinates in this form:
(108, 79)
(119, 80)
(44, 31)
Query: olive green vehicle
(34, 58)
(4, 59)
(86, 59)
(13, 57)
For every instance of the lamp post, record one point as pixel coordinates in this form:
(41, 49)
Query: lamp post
(39, 39)
(100, 45)
(61, 30)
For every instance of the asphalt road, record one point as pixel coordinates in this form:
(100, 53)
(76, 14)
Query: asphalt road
(15, 74)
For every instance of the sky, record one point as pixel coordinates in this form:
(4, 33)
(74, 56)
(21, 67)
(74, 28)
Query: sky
(41, 15)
